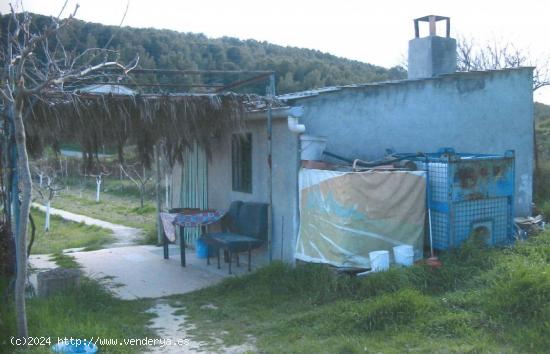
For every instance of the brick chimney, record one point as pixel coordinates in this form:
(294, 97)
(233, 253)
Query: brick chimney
(432, 55)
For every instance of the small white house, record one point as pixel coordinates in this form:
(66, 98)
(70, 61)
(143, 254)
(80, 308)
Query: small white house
(476, 112)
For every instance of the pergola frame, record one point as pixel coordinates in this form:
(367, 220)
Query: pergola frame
(254, 76)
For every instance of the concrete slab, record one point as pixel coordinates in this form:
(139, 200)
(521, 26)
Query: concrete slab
(142, 272)
(37, 264)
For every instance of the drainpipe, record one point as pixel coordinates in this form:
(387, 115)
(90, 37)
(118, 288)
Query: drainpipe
(295, 113)
(293, 125)
(271, 95)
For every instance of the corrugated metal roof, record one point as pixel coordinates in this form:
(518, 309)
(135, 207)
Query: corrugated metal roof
(316, 92)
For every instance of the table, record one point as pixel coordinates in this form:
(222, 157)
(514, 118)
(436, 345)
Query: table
(187, 218)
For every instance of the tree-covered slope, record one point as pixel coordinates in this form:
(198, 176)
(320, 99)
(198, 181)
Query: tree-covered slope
(296, 69)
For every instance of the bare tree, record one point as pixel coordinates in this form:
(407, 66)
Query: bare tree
(98, 181)
(48, 192)
(35, 63)
(42, 169)
(500, 56)
(494, 55)
(139, 178)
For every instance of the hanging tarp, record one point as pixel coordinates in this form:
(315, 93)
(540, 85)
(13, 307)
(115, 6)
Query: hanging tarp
(346, 215)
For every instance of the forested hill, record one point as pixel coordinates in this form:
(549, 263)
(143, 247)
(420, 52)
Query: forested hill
(296, 69)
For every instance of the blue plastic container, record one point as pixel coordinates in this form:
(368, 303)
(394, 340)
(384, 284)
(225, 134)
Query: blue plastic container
(76, 346)
(201, 248)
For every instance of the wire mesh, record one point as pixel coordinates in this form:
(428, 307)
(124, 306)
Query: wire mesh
(458, 210)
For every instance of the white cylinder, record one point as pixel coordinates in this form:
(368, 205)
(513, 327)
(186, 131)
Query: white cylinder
(404, 255)
(312, 147)
(379, 260)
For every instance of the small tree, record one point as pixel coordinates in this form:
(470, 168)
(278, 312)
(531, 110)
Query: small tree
(35, 64)
(140, 179)
(98, 181)
(41, 169)
(48, 192)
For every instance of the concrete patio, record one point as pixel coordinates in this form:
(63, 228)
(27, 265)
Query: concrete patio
(141, 271)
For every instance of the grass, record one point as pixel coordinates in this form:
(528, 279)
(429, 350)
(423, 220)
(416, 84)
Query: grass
(64, 260)
(119, 204)
(481, 301)
(87, 312)
(67, 234)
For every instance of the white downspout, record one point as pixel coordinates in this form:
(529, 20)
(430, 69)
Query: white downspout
(293, 125)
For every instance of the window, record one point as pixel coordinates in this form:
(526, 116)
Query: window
(241, 162)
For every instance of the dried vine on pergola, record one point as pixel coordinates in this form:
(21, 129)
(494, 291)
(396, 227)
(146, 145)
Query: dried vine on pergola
(178, 121)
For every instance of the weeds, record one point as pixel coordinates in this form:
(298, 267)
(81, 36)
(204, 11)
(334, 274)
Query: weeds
(90, 311)
(481, 300)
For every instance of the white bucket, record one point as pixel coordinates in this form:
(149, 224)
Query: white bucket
(379, 260)
(312, 147)
(404, 255)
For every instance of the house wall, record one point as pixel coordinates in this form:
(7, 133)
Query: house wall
(485, 112)
(285, 179)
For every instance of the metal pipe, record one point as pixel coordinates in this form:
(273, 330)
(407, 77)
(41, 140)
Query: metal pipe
(429, 206)
(192, 72)
(271, 95)
(159, 228)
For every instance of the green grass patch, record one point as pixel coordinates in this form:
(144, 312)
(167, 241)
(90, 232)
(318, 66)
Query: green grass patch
(115, 207)
(481, 301)
(65, 234)
(87, 312)
(64, 260)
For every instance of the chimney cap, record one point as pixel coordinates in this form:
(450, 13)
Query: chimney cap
(432, 19)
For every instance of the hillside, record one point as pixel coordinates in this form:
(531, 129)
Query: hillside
(296, 69)
(542, 128)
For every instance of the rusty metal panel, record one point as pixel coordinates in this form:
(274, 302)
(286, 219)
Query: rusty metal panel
(474, 179)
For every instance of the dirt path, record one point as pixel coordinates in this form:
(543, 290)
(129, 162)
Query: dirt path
(170, 323)
(125, 236)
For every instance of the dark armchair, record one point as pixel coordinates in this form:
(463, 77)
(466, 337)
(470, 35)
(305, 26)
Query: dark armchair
(244, 228)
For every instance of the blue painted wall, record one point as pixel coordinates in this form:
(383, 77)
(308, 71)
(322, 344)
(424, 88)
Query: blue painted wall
(477, 112)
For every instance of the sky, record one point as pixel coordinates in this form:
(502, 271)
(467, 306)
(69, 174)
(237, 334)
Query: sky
(375, 32)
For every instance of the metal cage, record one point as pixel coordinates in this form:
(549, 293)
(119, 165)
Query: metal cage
(470, 193)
